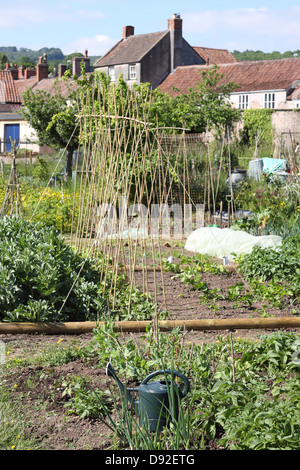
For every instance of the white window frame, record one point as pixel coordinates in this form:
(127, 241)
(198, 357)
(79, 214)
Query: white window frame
(112, 73)
(243, 101)
(269, 100)
(132, 72)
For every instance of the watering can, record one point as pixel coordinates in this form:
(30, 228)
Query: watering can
(156, 400)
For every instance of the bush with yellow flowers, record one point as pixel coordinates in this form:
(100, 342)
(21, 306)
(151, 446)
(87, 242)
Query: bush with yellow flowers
(52, 207)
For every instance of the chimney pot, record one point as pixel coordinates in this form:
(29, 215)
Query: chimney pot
(42, 69)
(175, 23)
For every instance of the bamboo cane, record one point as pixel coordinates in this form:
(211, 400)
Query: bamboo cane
(140, 326)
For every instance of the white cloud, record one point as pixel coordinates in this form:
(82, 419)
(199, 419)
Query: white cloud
(252, 28)
(96, 45)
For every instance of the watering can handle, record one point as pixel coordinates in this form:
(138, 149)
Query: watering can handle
(172, 372)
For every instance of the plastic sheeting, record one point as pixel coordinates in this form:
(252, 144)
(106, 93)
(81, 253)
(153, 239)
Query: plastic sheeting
(273, 164)
(219, 242)
(266, 165)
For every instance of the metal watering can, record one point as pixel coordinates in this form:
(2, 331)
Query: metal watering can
(156, 400)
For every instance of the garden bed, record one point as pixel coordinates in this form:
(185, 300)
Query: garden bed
(45, 373)
(42, 389)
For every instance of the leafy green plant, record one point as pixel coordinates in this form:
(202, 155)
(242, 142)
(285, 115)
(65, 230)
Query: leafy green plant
(239, 295)
(81, 402)
(37, 271)
(276, 272)
(257, 125)
(41, 169)
(244, 394)
(274, 203)
(43, 279)
(238, 401)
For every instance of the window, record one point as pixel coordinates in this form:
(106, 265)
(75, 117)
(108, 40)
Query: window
(132, 72)
(243, 101)
(111, 73)
(269, 100)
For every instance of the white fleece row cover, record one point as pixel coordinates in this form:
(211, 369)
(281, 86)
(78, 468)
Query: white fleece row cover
(219, 242)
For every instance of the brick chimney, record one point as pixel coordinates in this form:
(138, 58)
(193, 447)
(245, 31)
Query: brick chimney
(175, 28)
(62, 68)
(128, 31)
(29, 73)
(42, 70)
(14, 72)
(76, 66)
(21, 72)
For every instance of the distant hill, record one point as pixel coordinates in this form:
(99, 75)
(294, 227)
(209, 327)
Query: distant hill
(259, 55)
(14, 54)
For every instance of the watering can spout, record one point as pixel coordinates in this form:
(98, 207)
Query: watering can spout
(126, 392)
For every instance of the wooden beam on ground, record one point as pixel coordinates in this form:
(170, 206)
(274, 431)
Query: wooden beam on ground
(140, 326)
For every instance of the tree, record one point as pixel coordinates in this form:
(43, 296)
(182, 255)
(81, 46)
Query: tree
(26, 62)
(53, 117)
(203, 107)
(3, 60)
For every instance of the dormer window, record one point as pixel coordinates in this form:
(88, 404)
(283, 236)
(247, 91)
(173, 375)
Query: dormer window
(132, 72)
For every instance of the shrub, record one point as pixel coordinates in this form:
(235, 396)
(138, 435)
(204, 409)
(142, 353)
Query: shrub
(37, 273)
(52, 207)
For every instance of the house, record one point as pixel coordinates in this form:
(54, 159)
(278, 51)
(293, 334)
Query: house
(10, 102)
(262, 84)
(152, 57)
(14, 130)
(13, 83)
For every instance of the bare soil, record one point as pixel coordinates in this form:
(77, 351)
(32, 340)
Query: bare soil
(42, 400)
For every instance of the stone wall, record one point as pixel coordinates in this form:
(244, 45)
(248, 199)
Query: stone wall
(286, 124)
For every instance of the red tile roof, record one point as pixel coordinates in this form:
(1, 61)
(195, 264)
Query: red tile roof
(215, 56)
(22, 84)
(53, 85)
(48, 84)
(250, 76)
(11, 93)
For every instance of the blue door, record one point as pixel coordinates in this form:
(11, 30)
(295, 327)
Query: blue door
(12, 134)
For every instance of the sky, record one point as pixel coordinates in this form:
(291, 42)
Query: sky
(96, 25)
